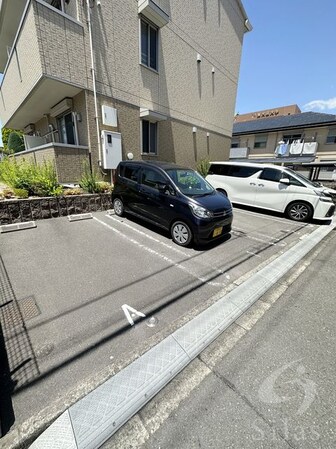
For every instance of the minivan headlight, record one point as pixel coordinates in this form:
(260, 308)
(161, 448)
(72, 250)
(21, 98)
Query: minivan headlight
(200, 211)
(323, 196)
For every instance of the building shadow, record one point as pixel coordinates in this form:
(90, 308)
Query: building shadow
(18, 365)
(6, 389)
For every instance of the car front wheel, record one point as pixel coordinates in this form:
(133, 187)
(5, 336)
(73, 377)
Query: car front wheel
(118, 207)
(299, 211)
(181, 233)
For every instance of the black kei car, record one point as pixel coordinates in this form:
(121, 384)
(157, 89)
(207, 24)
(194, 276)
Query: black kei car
(175, 198)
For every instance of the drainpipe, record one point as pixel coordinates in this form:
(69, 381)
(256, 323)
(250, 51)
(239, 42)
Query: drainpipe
(93, 72)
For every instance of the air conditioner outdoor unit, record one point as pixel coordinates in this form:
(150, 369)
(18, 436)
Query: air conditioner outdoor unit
(61, 107)
(29, 128)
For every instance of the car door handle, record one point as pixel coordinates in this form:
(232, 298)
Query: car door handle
(260, 185)
(252, 183)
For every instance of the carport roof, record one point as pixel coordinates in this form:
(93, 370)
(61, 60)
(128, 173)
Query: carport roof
(302, 120)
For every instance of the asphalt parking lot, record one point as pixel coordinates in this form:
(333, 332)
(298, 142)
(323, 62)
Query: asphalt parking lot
(71, 279)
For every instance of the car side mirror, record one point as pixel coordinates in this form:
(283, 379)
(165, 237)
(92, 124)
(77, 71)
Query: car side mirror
(285, 181)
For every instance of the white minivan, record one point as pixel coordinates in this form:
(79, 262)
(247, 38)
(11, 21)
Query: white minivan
(274, 188)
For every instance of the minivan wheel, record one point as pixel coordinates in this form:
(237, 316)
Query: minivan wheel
(181, 233)
(118, 207)
(299, 211)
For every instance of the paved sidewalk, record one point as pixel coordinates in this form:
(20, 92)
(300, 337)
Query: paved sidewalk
(276, 387)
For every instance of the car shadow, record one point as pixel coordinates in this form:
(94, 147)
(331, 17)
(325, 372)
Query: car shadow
(258, 210)
(166, 234)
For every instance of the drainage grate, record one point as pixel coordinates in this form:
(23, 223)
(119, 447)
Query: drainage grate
(29, 308)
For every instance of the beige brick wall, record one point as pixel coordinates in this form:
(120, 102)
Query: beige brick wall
(61, 43)
(24, 70)
(38, 157)
(79, 106)
(177, 143)
(69, 163)
(182, 88)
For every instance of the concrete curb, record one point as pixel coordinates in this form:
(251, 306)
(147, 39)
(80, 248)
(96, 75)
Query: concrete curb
(95, 418)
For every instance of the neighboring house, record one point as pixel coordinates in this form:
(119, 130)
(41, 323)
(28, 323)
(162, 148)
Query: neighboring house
(304, 140)
(165, 75)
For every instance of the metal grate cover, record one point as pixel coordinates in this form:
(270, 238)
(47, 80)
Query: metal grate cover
(29, 308)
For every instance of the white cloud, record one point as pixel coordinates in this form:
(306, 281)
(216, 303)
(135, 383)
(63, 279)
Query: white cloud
(320, 105)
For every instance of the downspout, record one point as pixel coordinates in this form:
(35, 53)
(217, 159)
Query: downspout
(93, 72)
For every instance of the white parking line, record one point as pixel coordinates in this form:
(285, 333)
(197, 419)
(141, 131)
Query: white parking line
(237, 232)
(177, 250)
(254, 254)
(161, 256)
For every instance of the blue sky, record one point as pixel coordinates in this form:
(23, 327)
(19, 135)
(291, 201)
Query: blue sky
(289, 57)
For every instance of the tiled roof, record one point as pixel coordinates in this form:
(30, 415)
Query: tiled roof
(301, 120)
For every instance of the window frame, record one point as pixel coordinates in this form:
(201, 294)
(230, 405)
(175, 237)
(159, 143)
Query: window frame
(149, 153)
(290, 138)
(331, 130)
(262, 143)
(153, 27)
(61, 117)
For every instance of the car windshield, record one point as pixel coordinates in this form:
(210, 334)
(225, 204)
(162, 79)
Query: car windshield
(190, 182)
(303, 178)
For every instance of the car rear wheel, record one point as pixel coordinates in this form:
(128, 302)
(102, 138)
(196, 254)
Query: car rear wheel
(299, 211)
(181, 233)
(118, 207)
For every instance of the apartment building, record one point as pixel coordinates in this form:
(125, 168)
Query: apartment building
(306, 141)
(103, 80)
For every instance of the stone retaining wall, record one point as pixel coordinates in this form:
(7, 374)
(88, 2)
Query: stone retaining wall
(15, 211)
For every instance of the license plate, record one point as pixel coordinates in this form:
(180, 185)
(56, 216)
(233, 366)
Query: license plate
(217, 231)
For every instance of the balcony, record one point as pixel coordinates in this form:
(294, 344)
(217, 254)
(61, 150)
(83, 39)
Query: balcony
(46, 63)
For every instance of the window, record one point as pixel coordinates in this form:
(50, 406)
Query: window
(270, 174)
(149, 44)
(66, 129)
(131, 172)
(260, 141)
(149, 137)
(239, 171)
(289, 138)
(331, 136)
(58, 4)
(235, 142)
(152, 178)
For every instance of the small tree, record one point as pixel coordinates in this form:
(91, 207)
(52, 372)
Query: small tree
(15, 142)
(5, 134)
(203, 167)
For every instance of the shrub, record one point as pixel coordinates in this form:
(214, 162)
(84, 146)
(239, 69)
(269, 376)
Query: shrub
(44, 180)
(89, 181)
(21, 193)
(105, 187)
(40, 180)
(15, 142)
(8, 193)
(203, 167)
(74, 191)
